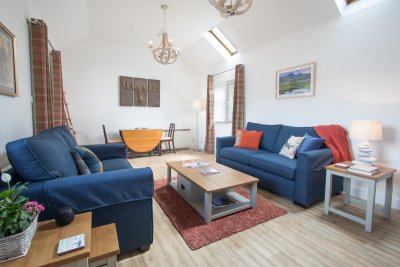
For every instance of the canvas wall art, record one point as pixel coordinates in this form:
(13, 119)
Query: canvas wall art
(296, 81)
(140, 92)
(154, 93)
(8, 63)
(125, 91)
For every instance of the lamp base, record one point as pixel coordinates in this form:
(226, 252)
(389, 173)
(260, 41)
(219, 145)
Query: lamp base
(364, 156)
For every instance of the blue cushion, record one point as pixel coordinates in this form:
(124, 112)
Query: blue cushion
(115, 164)
(274, 163)
(270, 134)
(239, 154)
(66, 134)
(310, 143)
(91, 160)
(288, 131)
(80, 164)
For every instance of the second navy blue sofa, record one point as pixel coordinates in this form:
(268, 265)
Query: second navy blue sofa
(301, 179)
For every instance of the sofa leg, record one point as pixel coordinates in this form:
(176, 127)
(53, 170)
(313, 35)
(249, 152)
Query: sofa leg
(144, 248)
(301, 205)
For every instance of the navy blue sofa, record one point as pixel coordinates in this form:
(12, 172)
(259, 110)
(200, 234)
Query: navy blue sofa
(120, 195)
(301, 179)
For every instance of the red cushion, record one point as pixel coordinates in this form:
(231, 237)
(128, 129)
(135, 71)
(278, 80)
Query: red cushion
(250, 139)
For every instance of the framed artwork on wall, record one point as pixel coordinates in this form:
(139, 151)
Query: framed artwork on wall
(297, 81)
(8, 62)
(140, 92)
(125, 91)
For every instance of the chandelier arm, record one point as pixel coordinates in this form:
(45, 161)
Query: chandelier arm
(217, 6)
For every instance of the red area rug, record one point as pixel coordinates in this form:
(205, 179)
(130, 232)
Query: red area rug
(191, 225)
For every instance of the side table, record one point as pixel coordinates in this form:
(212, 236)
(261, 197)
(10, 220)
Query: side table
(384, 174)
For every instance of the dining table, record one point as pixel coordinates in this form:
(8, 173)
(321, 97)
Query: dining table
(142, 140)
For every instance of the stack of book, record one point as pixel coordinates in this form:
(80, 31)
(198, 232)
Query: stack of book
(364, 169)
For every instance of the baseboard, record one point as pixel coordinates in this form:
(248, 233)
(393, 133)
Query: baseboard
(361, 192)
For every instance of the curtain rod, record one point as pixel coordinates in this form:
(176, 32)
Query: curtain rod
(222, 72)
(37, 22)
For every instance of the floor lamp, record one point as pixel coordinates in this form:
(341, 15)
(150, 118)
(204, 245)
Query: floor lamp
(196, 105)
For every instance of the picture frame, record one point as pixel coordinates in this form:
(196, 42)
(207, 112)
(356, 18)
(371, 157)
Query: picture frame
(298, 81)
(8, 62)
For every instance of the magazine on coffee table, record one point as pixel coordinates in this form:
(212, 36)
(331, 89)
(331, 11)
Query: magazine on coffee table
(195, 164)
(223, 202)
(209, 171)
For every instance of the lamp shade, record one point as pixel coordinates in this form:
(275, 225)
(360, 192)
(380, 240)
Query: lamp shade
(196, 105)
(366, 130)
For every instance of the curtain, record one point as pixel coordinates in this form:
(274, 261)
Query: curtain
(210, 135)
(238, 100)
(57, 102)
(47, 89)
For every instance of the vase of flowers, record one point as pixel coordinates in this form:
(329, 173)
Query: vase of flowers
(18, 220)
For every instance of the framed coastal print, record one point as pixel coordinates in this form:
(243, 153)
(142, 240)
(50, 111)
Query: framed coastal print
(8, 63)
(296, 81)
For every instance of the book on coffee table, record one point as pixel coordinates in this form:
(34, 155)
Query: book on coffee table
(223, 202)
(70, 244)
(209, 171)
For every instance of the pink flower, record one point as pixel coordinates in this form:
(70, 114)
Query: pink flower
(40, 207)
(29, 209)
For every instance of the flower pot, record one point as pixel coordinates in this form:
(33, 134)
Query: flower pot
(17, 245)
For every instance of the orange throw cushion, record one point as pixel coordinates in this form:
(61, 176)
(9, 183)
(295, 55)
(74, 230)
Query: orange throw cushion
(250, 139)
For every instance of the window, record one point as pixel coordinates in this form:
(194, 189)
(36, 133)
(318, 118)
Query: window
(220, 42)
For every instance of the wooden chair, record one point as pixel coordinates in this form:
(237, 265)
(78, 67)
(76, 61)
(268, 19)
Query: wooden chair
(169, 139)
(106, 141)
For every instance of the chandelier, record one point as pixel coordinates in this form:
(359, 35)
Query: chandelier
(230, 8)
(165, 53)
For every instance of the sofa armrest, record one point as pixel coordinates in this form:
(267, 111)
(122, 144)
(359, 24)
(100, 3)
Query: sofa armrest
(314, 160)
(226, 141)
(88, 192)
(108, 151)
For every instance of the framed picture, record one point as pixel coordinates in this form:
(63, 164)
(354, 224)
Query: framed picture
(8, 63)
(296, 81)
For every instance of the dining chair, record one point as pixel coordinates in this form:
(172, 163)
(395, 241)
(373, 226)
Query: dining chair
(106, 141)
(169, 139)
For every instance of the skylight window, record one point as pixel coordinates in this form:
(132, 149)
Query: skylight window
(347, 7)
(220, 42)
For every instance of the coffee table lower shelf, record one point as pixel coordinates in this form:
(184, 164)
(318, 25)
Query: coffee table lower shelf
(201, 201)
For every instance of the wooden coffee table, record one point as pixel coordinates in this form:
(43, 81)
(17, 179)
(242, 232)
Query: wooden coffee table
(198, 189)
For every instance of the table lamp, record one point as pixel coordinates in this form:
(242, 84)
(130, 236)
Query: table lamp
(365, 131)
(196, 106)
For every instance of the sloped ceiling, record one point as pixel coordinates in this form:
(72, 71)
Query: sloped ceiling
(137, 21)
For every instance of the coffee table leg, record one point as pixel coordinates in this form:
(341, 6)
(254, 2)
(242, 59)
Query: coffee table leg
(253, 194)
(207, 207)
(168, 175)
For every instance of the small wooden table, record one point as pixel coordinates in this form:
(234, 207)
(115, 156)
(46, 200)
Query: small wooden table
(43, 249)
(384, 174)
(141, 140)
(105, 247)
(198, 189)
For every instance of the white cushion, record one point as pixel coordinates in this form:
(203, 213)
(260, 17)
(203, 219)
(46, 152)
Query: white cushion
(291, 146)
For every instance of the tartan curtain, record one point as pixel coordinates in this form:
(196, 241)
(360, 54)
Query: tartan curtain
(210, 135)
(46, 79)
(238, 100)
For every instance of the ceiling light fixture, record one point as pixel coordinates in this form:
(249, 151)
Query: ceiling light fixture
(165, 53)
(230, 8)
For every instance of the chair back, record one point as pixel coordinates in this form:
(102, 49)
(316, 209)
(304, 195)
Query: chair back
(105, 134)
(171, 130)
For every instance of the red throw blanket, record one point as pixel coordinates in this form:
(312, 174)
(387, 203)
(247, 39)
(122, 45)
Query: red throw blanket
(336, 140)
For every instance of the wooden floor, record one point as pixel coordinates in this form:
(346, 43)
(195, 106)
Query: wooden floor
(302, 237)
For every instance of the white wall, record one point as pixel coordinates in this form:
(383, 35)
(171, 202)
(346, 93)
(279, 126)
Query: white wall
(16, 112)
(91, 72)
(358, 64)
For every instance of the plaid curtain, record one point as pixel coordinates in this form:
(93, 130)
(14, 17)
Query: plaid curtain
(210, 140)
(40, 75)
(47, 89)
(238, 100)
(57, 89)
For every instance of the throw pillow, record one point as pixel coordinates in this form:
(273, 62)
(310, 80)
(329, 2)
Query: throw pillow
(291, 146)
(82, 167)
(238, 138)
(91, 160)
(250, 139)
(311, 143)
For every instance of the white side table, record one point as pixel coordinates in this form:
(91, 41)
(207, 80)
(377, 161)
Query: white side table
(385, 174)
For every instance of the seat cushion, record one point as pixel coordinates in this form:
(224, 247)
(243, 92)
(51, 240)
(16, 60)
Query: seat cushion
(239, 154)
(274, 163)
(287, 131)
(41, 157)
(115, 164)
(270, 134)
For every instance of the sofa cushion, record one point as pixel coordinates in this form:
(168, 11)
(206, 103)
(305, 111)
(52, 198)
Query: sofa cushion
(115, 164)
(90, 159)
(239, 154)
(287, 131)
(290, 148)
(66, 134)
(310, 143)
(274, 163)
(250, 139)
(80, 164)
(270, 134)
(41, 157)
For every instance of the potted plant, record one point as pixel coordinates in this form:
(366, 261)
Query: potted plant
(18, 220)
